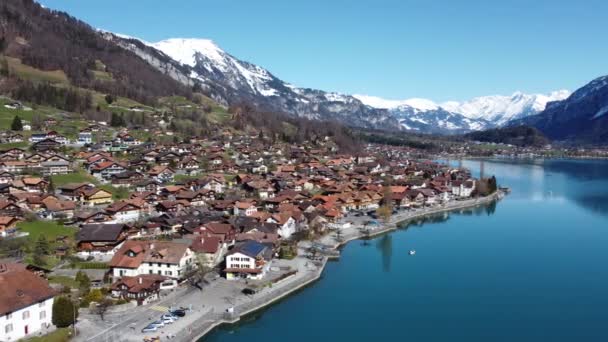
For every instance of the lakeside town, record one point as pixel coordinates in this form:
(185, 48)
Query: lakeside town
(106, 236)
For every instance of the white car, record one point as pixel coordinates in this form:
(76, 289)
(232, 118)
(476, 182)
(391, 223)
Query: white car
(167, 319)
(157, 324)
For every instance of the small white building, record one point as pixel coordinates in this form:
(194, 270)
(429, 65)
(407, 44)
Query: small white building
(463, 189)
(249, 259)
(26, 303)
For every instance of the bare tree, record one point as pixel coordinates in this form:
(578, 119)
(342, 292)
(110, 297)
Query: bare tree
(102, 307)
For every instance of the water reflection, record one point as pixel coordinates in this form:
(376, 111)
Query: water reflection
(581, 182)
(385, 246)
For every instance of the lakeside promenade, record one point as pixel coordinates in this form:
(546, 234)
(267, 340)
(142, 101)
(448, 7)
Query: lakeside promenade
(222, 302)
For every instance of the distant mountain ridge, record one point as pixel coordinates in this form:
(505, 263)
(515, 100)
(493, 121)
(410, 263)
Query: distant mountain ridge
(482, 112)
(229, 79)
(580, 118)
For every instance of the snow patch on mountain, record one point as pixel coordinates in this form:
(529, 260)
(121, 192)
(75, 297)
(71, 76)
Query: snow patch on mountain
(500, 109)
(378, 102)
(495, 109)
(185, 50)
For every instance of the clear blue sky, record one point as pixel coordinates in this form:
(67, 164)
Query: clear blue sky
(441, 50)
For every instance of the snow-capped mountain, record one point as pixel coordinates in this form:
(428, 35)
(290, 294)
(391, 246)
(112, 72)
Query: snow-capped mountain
(229, 80)
(500, 109)
(426, 116)
(436, 120)
(582, 117)
(478, 113)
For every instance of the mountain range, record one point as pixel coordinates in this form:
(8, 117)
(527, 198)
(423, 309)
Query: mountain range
(580, 118)
(229, 80)
(107, 63)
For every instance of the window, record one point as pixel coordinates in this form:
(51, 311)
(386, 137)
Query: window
(41, 304)
(9, 316)
(8, 328)
(150, 271)
(26, 314)
(42, 314)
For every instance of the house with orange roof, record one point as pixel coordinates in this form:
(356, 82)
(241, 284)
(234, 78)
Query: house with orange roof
(105, 170)
(167, 258)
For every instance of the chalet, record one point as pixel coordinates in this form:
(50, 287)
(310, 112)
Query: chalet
(46, 145)
(105, 170)
(13, 166)
(94, 196)
(100, 239)
(73, 191)
(162, 174)
(7, 225)
(126, 210)
(171, 259)
(85, 136)
(126, 179)
(55, 166)
(57, 209)
(248, 259)
(93, 217)
(143, 289)
(287, 224)
(245, 208)
(147, 185)
(6, 177)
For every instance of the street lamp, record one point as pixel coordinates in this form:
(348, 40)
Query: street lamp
(75, 311)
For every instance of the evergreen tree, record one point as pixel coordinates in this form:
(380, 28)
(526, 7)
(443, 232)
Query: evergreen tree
(63, 312)
(17, 124)
(4, 69)
(116, 120)
(109, 99)
(3, 44)
(42, 246)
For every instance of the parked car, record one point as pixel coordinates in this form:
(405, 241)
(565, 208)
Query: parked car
(149, 328)
(168, 318)
(178, 313)
(157, 324)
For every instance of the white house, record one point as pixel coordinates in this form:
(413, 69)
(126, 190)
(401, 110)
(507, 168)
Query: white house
(463, 189)
(249, 259)
(170, 259)
(26, 303)
(287, 224)
(85, 137)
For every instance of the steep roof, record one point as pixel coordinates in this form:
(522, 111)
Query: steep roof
(20, 288)
(100, 232)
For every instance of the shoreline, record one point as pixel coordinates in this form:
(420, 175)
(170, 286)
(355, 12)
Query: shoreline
(393, 225)
(457, 157)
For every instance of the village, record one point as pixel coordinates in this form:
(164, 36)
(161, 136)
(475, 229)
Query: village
(105, 221)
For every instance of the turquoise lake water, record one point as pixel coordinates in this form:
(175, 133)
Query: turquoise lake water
(533, 267)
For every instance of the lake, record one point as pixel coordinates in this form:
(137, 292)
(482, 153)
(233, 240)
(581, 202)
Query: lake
(530, 268)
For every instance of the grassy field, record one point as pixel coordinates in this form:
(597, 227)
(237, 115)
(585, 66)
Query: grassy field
(7, 146)
(102, 75)
(64, 280)
(79, 176)
(59, 335)
(33, 74)
(50, 230)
